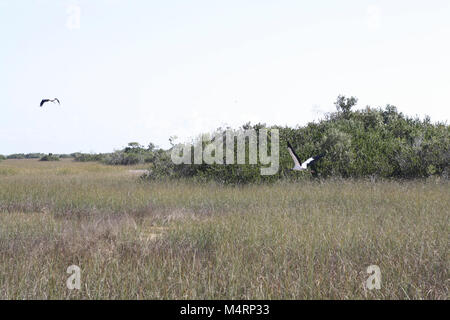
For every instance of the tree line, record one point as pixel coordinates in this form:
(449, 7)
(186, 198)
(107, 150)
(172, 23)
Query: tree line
(371, 142)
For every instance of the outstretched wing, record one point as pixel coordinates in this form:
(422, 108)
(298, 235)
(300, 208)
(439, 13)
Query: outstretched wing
(43, 101)
(57, 100)
(311, 160)
(307, 162)
(293, 155)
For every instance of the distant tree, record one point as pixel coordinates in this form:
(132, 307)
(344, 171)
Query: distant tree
(345, 105)
(151, 147)
(134, 147)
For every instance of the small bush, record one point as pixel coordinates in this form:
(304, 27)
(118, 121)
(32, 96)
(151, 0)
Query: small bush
(65, 156)
(87, 157)
(133, 154)
(34, 155)
(122, 158)
(49, 157)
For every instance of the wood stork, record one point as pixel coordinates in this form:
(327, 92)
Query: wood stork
(304, 165)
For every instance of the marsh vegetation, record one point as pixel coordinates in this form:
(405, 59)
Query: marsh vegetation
(135, 239)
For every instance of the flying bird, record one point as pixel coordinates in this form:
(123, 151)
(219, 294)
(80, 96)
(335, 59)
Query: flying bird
(304, 165)
(49, 100)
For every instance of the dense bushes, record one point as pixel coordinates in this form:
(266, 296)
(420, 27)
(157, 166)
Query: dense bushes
(34, 155)
(65, 156)
(50, 157)
(2, 157)
(122, 158)
(134, 153)
(373, 142)
(87, 157)
(16, 156)
(25, 156)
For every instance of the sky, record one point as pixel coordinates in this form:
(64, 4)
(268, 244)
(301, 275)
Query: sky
(144, 70)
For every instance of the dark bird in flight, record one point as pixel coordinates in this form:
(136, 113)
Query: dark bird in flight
(304, 165)
(49, 100)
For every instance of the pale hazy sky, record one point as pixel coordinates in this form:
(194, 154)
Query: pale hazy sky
(145, 70)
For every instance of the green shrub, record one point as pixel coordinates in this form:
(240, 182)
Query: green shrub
(34, 155)
(133, 154)
(26, 156)
(65, 156)
(87, 157)
(16, 156)
(123, 158)
(49, 157)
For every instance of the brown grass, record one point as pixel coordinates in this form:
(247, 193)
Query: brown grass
(182, 240)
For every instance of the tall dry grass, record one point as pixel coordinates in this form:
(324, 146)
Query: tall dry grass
(180, 240)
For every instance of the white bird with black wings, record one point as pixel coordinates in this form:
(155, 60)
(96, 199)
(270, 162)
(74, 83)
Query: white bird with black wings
(304, 165)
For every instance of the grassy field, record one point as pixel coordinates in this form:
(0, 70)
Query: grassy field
(180, 240)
